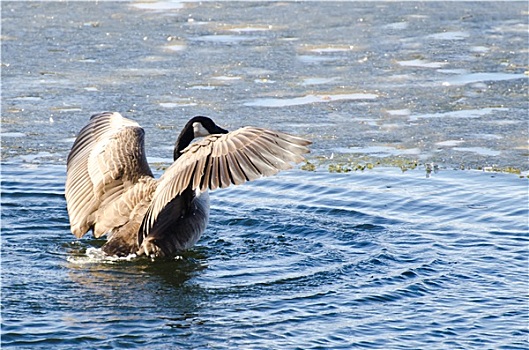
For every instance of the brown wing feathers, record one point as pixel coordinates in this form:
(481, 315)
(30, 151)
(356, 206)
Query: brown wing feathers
(221, 160)
(106, 160)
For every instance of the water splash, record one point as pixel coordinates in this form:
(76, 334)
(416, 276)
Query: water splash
(97, 256)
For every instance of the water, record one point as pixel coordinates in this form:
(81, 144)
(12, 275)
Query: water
(426, 258)
(366, 75)
(377, 259)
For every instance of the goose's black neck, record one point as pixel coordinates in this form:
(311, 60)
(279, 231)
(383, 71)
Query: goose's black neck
(184, 139)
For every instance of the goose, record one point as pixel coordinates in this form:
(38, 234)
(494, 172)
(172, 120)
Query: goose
(110, 188)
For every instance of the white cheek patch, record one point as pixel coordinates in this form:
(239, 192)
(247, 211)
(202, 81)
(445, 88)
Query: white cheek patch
(199, 130)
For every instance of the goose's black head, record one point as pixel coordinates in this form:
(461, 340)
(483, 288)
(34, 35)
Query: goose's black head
(196, 127)
(204, 126)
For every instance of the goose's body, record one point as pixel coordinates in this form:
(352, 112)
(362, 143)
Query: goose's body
(110, 188)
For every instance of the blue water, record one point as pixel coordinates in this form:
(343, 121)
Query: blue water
(303, 260)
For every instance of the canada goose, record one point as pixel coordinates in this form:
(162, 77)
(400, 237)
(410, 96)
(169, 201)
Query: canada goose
(111, 189)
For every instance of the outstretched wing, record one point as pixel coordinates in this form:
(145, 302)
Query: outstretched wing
(221, 160)
(106, 161)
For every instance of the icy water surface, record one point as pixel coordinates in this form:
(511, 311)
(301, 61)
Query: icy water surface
(435, 82)
(430, 258)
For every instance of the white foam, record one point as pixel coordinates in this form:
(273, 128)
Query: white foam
(223, 38)
(465, 113)
(96, 255)
(182, 103)
(308, 99)
(331, 49)
(318, 81)
(249, 29)
(396, 25)
(227, 78)
(421, 63)
(480, 77)
(449, 143)
(175, 47)
(379, 151)
(315, 59)
(399, 112)
(455, 35)
(12, 134)
(479, 150)
(159, 5)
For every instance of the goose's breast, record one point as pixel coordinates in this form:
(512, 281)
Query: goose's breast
(195, 222)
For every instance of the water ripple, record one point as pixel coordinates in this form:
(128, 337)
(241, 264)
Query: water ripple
(362, 257)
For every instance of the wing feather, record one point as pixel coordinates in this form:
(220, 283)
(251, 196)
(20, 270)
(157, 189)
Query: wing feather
(224, 175)
(221, 160)
(251, 172)
(214, 177)
(237, 175)
(107, 159)
(207, 174)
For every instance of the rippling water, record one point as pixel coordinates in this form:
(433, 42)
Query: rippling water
(379, 259)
